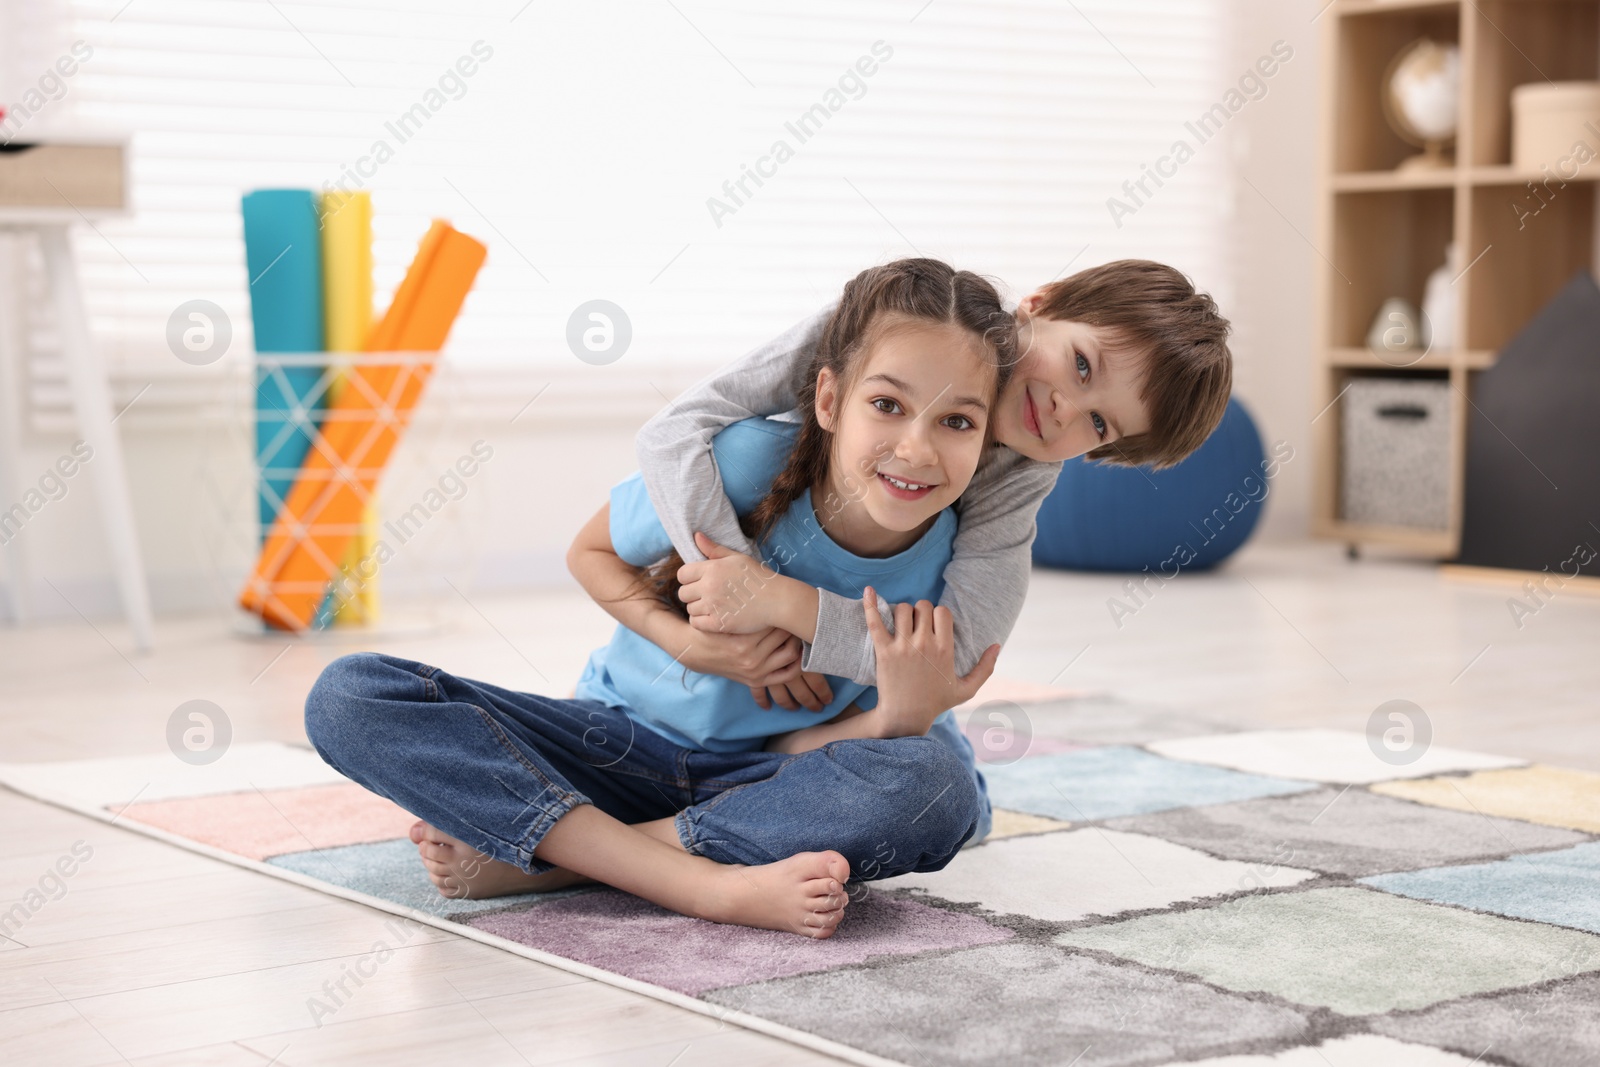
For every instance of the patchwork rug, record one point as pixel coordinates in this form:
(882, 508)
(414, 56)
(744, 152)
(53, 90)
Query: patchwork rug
(1157, 889)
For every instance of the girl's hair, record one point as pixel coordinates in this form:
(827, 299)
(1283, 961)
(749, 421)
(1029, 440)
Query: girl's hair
(876, 303)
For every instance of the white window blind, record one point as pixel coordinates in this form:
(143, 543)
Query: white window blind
(585, 148)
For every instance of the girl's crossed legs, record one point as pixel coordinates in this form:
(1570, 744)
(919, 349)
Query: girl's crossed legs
(549, 788)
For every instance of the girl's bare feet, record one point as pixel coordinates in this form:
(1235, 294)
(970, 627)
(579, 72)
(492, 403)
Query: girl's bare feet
(822, 904)
(461, 871)
(803, 894)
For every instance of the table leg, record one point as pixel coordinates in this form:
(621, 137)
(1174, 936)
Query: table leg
(91, 398)
(19, 572)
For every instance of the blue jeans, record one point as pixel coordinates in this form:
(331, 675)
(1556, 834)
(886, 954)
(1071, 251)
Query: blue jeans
(496, 768)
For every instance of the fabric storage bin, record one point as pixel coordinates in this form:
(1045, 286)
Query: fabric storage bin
(1395, 452)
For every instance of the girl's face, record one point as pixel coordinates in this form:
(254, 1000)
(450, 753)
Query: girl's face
(907, 437)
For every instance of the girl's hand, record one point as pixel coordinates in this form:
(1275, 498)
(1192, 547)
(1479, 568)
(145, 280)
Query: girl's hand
(723, 591)
(769, 657)
(917, 680)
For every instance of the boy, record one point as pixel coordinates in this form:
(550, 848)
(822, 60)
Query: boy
(1125, 363)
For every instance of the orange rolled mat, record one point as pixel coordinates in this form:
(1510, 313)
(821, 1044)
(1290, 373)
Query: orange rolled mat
(322, 512)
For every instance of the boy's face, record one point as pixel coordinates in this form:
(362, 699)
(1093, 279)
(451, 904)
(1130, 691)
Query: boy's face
(1071, 390)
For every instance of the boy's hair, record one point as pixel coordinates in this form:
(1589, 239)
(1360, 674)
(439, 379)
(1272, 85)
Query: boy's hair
(1153, 309)
(875, 303)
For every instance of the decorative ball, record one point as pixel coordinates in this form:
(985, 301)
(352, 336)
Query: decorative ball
(1425, 92)
(1189, 517)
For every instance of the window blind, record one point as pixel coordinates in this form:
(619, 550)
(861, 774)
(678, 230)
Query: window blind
(717, 170)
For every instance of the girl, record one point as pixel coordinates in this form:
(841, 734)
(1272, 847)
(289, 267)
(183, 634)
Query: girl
(656, 779)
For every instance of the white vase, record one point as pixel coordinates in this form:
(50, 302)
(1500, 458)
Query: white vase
(1396, 328)
(1439, 304)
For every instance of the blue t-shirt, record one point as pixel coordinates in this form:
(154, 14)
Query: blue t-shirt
(713, 714)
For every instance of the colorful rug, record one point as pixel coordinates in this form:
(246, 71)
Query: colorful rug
(1158, 889)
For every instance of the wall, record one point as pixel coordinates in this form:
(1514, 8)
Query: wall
(1275, 153)
(551, 466)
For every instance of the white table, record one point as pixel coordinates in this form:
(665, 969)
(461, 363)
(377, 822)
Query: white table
(91, 402)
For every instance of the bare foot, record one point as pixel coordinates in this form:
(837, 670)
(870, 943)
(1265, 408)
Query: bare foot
(461, 871)
(803, 894)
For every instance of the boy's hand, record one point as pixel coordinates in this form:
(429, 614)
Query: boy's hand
(810, 691)
(723, 591)
(917, 679)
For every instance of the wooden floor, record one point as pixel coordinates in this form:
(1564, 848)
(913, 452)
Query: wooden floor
(153, 955)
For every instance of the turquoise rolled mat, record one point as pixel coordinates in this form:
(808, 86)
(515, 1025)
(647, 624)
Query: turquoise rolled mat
(283, 253)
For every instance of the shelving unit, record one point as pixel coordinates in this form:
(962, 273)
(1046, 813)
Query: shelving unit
(1382, 232)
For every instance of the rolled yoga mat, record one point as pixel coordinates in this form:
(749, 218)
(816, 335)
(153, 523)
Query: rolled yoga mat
(347, 308)
(283, 257)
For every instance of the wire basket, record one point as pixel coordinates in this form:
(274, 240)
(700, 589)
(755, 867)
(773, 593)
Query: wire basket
(288, 442)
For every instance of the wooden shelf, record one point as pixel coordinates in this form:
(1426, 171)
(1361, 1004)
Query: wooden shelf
(1381, 233)
(1380, 180)
(1367, 359)
(1440, 543)
(1379, 7)
(1512, 43)
(1503, 174)
(1509, 175)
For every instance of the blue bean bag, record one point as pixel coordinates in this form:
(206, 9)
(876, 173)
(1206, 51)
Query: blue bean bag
(1188, 517)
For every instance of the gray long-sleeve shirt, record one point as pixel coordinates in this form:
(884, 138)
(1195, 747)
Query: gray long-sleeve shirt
(986, 579)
